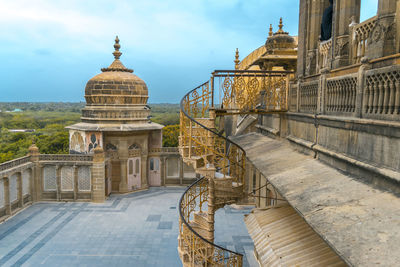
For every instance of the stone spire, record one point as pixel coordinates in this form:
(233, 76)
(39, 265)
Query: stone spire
(270, 33)
(280, 31)
(117, 64)
(237, 61)
(117, 54)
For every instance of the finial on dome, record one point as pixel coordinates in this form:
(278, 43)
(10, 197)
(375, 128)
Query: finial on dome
(237, 61)
(280, 26)
(270, 30)
(117, 46)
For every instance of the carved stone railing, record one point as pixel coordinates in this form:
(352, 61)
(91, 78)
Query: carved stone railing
(308, 94)
(293, 98)
(361, 33)
(14, 163)
(66, 157)
(164, 150)
(324, 53)
(341, 95)
(382, 93)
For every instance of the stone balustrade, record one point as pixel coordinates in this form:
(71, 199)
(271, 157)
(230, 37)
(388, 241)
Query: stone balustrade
(308, 95)
(324, 51)
(341, 95)
(360, 34)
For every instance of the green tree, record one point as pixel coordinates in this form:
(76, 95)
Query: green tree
(171, 135)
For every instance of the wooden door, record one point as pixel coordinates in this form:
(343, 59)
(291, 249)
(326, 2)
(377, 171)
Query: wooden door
(134, 177)
(154, 172)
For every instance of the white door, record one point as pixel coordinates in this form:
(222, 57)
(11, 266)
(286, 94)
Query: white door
(134, 181)
(154, 172)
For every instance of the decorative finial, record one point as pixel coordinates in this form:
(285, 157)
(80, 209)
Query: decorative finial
(237, 61)
(117, 46)
(280, 26)
(270, 30)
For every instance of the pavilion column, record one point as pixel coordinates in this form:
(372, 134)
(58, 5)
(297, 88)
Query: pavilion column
(313, 18)
(144, 168)
(98, 176)
(383, 40)
(344, 12)
(303, 30)
(123, 161)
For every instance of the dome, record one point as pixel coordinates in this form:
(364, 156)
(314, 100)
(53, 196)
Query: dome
(116, 85)
(116, 95)
(279, 40)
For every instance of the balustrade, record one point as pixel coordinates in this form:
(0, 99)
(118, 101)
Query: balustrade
(382, 93)
(341, 95)
(324, 52)
(361, 34)
(308, 97)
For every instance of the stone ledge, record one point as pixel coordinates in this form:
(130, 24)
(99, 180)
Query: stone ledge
(359, 222)
(268, 129)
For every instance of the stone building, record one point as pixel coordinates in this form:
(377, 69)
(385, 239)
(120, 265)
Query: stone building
(320, 161)
(117, 119)
(115, 148)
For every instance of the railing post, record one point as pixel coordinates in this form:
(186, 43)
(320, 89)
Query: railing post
(212, 90)
(190, 138)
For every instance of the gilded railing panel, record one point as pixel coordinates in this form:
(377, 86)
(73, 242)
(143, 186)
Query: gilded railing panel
(246, 91)
(213, 155)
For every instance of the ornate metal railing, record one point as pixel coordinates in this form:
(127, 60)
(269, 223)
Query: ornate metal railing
(242, 91)
(213, 155)
(201, 251)
(199, 139)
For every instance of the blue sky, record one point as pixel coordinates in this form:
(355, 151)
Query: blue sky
(49, 49)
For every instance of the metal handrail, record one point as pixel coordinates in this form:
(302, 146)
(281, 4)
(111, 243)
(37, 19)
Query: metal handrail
(190, 228)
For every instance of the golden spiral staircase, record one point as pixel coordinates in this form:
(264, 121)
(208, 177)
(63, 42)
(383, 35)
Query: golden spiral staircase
(219, 161)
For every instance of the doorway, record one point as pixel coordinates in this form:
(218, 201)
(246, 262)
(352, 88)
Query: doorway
(154, 172)
(134, 177)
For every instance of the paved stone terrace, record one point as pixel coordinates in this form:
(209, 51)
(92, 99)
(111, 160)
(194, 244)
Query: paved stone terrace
(138, 229)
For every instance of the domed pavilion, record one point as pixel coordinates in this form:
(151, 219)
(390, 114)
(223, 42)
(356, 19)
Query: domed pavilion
(116, 118)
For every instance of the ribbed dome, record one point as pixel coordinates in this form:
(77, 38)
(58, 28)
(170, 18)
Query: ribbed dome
(279, 40)
(116, 94)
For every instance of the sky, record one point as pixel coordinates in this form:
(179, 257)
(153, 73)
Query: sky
(49, 49)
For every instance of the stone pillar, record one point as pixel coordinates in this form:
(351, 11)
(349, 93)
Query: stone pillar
(144, 168)
(315, 10)
(58, 181)
(302, 48)
(36, 179)
(163, 169)
(19, 190)
(344, 12)
(123, 160)
(181, 172)
(382, 41)
(75, 182)
(361, 84)
(98, 176)
(7, 203)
